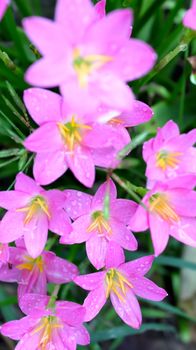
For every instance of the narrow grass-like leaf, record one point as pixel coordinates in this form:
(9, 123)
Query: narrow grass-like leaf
(123, 331)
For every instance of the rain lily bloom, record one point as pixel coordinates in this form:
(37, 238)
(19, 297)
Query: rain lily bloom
(189, 19)
(3, 6)
(48, 324)
(34, 274)
(169, 210)
(89, 57)
(31, 212)
(122, 283)
(105, 235)
(170, 154)
(67, 138)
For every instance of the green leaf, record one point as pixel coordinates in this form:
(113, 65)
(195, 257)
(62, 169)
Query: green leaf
(9, 152)
(122, 331)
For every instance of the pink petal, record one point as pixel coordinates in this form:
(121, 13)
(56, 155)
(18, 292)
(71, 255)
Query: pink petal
(184, 231)
(42, 72)
(185, 207)
(107, 188)
(30, 341)
(103, 135)
(39, 30)
(77, 203)
(59, 221)
(82, 336)
(130, 63)
(31, 304)
(70, 313)
(32, 282)
(59, 270)
(169, 130)
(100, 8)
(91, 281)
(147, 150)
(159, 236)
(49, 166)
(183, 181)
(35, 235)
(123, 210)
(11, 226)
(26, 184)
(105, 157)
(3, 7)
(82, 10)
(139, 221)
(114, 256)
(82, 166)
(43, 105)
(146, 289)
(137, 267)
(79, 232)
(8, 274)
(123, 236)
(189, 19)
(108, 96)
(13, 199)
(94, 302)
(96, 249)
(140, 113)
(110, 32)
(16, 329)
(46, 138)
(17, 254)
(128, 309)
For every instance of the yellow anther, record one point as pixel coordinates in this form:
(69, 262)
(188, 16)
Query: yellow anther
(46, 327)
(117, 283)
(165, 159)
(159, 204)
(71, 132)
(30, 263)
(99, 223)
(36, 205)
(84, 66)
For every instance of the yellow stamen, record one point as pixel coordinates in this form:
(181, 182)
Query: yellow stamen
(30, 263)
(37, 204)
(84, 66)
(160, 205)
(99, 223)
(46, 327)
(115, 121)
(117, 283)
(71, 132)
(166, 159)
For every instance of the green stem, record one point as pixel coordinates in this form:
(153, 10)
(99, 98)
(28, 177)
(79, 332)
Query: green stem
(136, 192)
(183, 90)
(186, 39)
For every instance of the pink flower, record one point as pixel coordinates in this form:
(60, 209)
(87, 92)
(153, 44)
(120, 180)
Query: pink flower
(170, 154)
(68, 138)
(104, 236)
(48, 324)
(34, 274)
(122, 283)
(32, 211)
(189, 19)
(3, 6)
(170, 210)
(89, 57)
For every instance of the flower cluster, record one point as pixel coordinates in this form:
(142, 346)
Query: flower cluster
(90, 56)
